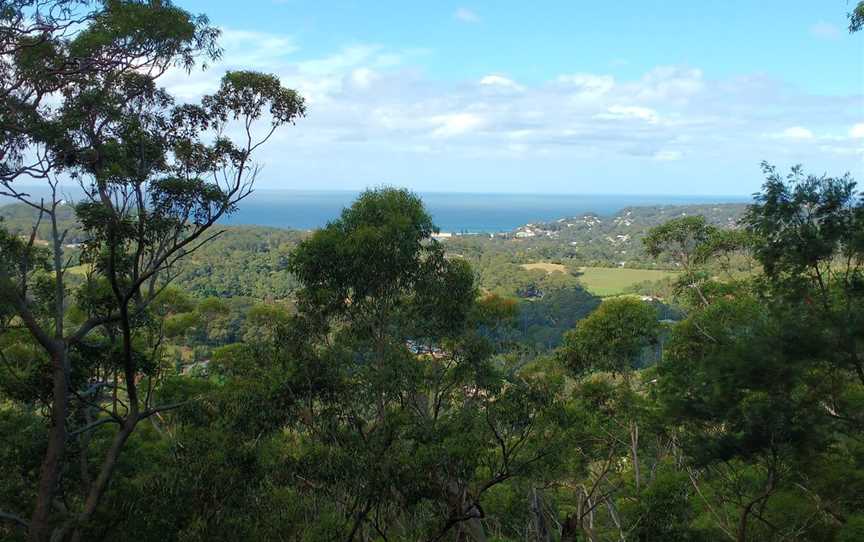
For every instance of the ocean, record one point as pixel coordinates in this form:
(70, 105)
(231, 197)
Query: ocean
(452, 212)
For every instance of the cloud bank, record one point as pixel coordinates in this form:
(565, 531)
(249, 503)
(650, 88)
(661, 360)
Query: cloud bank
(372, 104)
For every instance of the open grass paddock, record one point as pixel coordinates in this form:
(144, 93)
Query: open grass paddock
(606, 281)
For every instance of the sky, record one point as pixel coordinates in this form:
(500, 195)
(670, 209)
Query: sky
(585, 97)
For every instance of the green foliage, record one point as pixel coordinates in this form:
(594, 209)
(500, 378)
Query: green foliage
(412, 437)
(854, 527)
(22, 445)
(354, 383)
(763, 377)
(681, 238)
(19, 258)
(664, 510)
(400, 401)
(245, 94)
(243, 262)
(803, 221)
(856, 18)
(731, 342)
(156, 177)
(612, 338)
(378, 265)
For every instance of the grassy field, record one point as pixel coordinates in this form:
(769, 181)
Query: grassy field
(77, 270)
(545, 266)
(605, 281)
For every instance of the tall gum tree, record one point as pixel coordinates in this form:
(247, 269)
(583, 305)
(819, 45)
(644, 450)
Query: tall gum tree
(81, 100)
(409, 423)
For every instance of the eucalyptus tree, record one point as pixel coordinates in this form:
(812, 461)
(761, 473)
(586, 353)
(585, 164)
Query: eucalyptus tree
(82, 101)
(406, 422)
(810, 242)
(762, 385)
(682, 240)
(613, 339)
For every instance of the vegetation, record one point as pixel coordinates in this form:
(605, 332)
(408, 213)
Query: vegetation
(610, 281)
(375, 383)
(156, 177)
(396, 400)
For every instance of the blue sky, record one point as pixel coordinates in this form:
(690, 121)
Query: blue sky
(556, 96)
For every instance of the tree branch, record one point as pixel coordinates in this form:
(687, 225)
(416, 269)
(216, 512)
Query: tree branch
(12, 518)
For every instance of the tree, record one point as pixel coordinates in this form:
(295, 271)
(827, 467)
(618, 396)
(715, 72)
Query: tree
(810, 242)
(612, 338)
(48, 46)
(406, 422)
(684, 240)
(856, 18)
(157, 177)
(760, 381)
(263, 322)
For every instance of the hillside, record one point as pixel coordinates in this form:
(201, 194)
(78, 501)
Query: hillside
(251, 261)
(616, 239)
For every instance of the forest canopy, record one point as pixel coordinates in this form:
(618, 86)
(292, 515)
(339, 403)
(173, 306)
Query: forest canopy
(164, 377)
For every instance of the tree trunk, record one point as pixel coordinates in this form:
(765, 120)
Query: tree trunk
(570, 529)
(574, 524)
(474, 529)
(541, 530)
(470, 528)
(99, 486)
(634, 452)
(745, 512)
(50, 470)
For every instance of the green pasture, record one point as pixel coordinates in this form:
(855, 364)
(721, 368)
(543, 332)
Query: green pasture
(608, 281)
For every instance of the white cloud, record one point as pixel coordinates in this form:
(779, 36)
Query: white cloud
(629, 112)
(348, 57)
(362, 78)
(242, 49)
(587, 85)
(371, 100)
(825, 31)
(795, 132)
(670, 83)
(501, 82)
(520, 134)
(456, 124)
(466, 15)
(518, 149)
(668, 156)
(841, 151)
(388, 60)
(255, 49)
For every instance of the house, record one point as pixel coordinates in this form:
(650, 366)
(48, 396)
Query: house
(197, 368)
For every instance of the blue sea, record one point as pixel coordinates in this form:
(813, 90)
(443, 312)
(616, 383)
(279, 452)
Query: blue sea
(452, 212)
